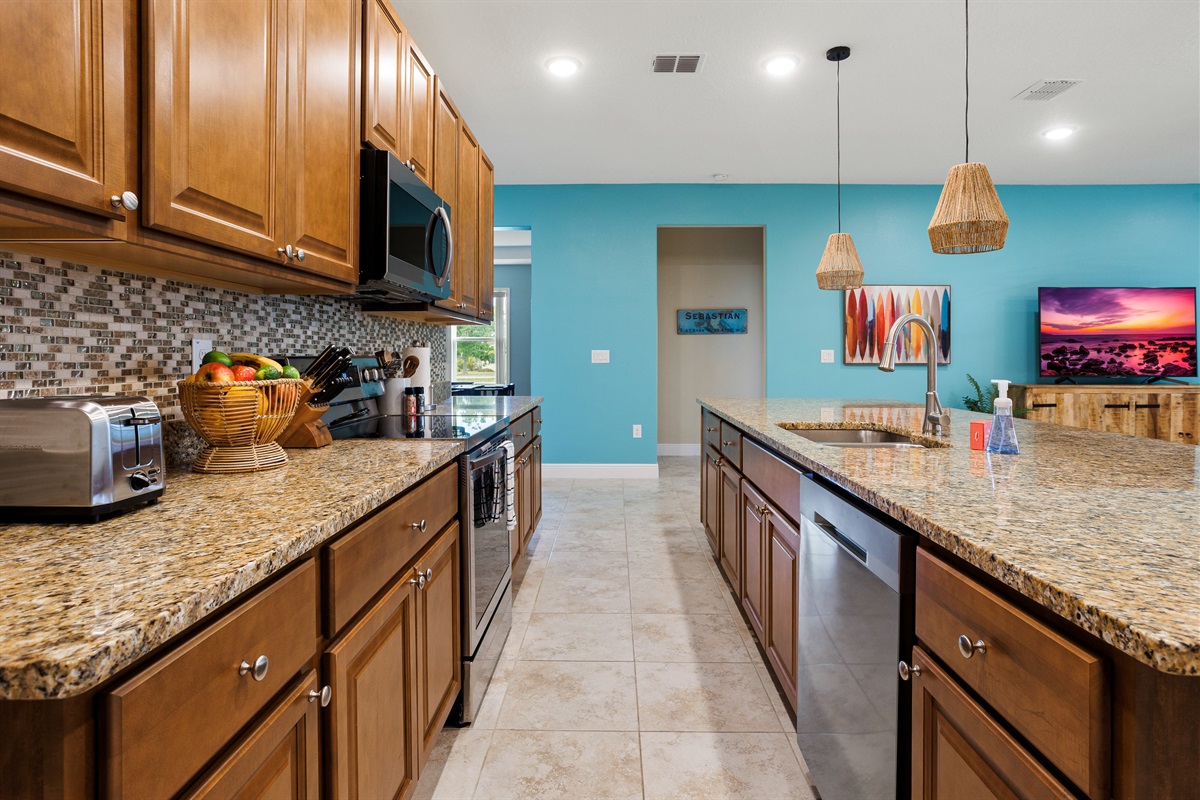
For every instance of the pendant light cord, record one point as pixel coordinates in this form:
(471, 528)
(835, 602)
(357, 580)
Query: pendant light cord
(839, 144)
(967, 77)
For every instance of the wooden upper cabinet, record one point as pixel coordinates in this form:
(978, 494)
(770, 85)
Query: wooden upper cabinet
(215, 121)
(466, 243)
(485, 257)
(383, 76)
(322, 147)
(416, 108)
(446, 122)
(63, 101)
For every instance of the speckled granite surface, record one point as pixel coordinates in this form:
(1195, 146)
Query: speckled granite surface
(1102, 529)
(83, 601)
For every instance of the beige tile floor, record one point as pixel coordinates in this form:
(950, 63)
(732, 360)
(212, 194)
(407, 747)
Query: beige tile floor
(629, 672)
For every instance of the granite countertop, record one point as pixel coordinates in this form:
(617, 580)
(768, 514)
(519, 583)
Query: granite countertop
(1100, 528)
(84, 601)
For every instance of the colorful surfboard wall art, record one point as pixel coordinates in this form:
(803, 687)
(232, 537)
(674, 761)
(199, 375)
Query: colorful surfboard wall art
(871, 310)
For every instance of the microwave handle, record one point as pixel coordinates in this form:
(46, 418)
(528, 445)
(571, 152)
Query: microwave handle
(441, 212)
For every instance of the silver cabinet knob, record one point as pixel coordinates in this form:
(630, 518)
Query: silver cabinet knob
(258, 669)
(711, 430)
(126, 200)
(324, 694)
(418, 581)
(967, 648)
(300, 254)
(538, 420)
(419, 526)
(283, 251)
(906, 671)
(428, 574)
(764, 510)
(522, 435)
(728, 444)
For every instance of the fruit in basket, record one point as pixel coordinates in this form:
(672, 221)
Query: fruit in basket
(258, 362)
(267, 373)
(242, 372)
(216, 356)
(291, 372)
(214, 372)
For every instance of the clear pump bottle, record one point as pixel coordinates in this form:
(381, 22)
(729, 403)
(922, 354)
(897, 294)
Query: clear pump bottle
(1003, 438)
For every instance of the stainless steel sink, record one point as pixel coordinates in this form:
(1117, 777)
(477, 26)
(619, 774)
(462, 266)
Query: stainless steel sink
(842, 437)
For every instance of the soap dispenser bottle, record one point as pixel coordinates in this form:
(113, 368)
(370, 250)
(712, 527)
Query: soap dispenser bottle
(1003, 438)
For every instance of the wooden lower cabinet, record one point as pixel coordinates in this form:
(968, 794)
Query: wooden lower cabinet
(371, 746)
(535, 482)
(710, 498)
(1155, 412)
(279, 759)
(730, 529)
(439, 651)
(782, 541)
(960, 751)
(754, 510)
(524, 497)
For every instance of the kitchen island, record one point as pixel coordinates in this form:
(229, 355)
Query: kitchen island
(1086, 541)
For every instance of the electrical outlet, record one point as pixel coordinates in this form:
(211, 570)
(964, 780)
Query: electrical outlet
(637, 431)
(200, 348)
(599, 356)
(826, 356)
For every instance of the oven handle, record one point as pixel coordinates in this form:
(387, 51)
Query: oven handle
(495, 455)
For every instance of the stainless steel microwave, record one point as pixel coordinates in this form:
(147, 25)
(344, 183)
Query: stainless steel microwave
(406, 246)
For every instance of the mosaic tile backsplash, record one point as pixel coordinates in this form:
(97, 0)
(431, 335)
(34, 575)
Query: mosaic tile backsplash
(68, 328)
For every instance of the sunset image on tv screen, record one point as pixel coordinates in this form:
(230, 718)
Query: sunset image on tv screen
(1126, 332)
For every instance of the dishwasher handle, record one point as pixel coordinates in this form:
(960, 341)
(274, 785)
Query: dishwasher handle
(842, 540)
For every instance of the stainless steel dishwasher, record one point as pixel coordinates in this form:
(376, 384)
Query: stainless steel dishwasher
(855, 622)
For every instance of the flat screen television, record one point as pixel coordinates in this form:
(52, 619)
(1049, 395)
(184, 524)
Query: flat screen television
(1127, 332)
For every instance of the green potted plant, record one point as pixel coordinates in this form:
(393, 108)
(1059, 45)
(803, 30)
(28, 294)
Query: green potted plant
(985, 399)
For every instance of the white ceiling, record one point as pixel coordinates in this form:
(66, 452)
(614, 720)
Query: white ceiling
(1138, 109)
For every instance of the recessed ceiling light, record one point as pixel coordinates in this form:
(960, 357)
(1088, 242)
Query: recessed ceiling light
(563, 66)
(780, 65)
(1061, 132)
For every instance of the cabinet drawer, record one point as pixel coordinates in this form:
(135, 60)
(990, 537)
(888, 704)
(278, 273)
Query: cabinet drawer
(1052, 691)
(521, 431)
(711, 428)
(361, 563)
(537, 421)
(166, 722)
(778, 480)
(731, 444)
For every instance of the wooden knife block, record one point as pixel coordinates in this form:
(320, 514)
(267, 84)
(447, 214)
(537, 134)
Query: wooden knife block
(306, 428)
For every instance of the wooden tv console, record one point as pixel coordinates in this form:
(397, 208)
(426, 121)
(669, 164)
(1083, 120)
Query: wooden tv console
(1156, 411)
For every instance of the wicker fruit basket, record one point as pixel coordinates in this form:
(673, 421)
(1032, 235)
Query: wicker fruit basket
(240, 421)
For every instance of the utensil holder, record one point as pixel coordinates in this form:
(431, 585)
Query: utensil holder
(307, 429)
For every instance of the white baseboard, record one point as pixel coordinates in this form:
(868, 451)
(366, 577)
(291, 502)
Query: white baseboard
(679, 450)
(599, 471)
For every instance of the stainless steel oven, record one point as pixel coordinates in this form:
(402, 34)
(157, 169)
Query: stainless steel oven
(487, 568)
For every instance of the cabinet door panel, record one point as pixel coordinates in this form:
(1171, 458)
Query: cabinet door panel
(783, 597)
(62, 124)
(1112, 412)
(524, 495)
(712, 500)
(417, 110)
(323, 121)
(535, 481)
(215, 121)
(280, 759)
(466, 246)
(383, 76)
(731, 533)
(754, 584)
(446, 122)
(486, 256)
(370, 741)
(959, 751)
(1152, 415)
(439, 657)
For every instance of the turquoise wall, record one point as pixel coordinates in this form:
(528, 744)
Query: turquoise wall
(595, 267)
(515, 278)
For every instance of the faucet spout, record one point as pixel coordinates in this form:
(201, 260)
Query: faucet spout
(936, 418)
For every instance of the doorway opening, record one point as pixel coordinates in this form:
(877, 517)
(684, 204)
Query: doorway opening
(708, 269)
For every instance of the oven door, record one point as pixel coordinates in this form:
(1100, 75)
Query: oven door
(487, 554)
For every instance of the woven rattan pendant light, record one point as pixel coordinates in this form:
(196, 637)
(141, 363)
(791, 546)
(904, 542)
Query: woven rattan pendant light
(839, 267)
(968, 217)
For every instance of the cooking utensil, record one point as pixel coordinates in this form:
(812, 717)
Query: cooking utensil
(410, 366)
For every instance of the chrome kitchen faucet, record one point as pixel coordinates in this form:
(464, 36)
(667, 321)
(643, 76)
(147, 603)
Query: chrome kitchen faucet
(936, 418)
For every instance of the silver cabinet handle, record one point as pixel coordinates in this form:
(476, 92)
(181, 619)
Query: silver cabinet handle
(127, 200)
(258, 669)
(967, 648)
(418, 581)
(324, 694)
(906, 671)
(538, 420)
(522, 435)
(728, 444)
(764, 510)
(711, 430)
(419, 526)
(462, 305)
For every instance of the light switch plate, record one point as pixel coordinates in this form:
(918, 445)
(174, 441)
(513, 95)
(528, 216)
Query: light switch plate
(826, 356)
(599, 356)
(200, 348)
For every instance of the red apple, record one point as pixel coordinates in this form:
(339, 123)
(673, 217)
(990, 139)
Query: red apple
(243, 372)
(214, 373)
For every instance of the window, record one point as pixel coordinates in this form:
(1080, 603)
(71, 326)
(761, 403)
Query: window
(481, 351)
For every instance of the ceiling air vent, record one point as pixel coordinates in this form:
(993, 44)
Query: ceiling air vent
(676, 64)
(1046, 90)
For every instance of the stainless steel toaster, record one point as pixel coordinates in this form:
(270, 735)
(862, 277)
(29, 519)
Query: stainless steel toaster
(79, 457)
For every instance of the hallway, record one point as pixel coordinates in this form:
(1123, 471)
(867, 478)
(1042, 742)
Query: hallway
(629, 672)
